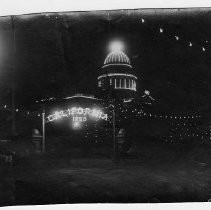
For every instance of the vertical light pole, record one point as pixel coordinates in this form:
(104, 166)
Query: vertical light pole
(13, 77)
(43, 131)
(115, 149)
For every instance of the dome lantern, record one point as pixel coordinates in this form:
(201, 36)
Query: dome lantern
(117, 57)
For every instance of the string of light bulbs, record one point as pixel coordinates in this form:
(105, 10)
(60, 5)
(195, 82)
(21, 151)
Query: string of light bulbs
(178, 38)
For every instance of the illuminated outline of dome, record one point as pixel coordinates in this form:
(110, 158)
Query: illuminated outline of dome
(117, 57)
(117, 78)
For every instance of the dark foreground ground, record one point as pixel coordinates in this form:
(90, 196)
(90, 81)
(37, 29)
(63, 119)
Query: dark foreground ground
(169, 175)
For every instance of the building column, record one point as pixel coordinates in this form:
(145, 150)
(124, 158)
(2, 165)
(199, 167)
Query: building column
(125, 86)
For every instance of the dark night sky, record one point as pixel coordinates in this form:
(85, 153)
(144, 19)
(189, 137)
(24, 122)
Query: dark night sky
(59, 54)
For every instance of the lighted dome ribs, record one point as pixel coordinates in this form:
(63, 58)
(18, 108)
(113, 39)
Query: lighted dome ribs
(117, 74)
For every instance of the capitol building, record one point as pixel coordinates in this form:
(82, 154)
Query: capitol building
(92, 114)
(118, 74)
(116, 83)
(90, 117)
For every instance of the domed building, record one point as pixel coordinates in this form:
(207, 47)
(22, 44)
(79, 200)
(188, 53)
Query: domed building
(93, 114)
(139, 117)
(117, 78)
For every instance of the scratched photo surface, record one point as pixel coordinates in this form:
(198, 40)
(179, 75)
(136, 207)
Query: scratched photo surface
(105, 107)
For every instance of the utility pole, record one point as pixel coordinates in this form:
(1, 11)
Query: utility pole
(114, 133)
(13, 77)
(115, 146)
(43, 131)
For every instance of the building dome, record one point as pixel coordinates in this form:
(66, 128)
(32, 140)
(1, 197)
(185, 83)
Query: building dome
(117, 76)
(117, 57)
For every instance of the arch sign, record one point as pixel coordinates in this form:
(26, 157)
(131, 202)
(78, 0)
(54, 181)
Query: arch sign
(78, 114)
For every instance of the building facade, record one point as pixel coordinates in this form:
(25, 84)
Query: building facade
(117, 77)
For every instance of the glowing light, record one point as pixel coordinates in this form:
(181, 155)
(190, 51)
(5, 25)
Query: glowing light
(161, 30)
(126, 88)
(95, 113)
(115, 57)
(127, 100)
(79, 119)
(146, 92)
(76, 125)
(176, 37)
(203, 49)
(5, 106)
(81, 96)
(58, 115)
(116, 74)
(116, 46)
(142, 20)
(190, 44)
(117, 64)
(80, 110)
(77, 111)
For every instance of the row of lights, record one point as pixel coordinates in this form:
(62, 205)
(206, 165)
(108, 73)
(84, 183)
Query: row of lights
(177, 38)
(161, 30)
(187, 130)
(202, 134)
(141, 113)
(5, 107)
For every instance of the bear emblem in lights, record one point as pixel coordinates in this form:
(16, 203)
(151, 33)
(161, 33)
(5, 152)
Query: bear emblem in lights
(78, 115)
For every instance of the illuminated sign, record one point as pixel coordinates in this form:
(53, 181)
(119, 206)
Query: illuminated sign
(78, 114)
(79, 119)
